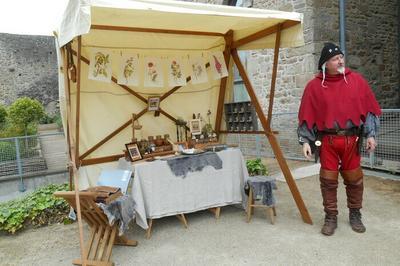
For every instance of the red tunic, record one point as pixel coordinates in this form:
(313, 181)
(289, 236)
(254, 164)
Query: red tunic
(338, 101)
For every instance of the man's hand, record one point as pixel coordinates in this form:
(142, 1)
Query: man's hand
(307, 150)
(371, 144)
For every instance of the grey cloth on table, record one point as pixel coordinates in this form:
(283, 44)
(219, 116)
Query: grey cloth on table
(262, 189)
(182, 165)
(121, 210)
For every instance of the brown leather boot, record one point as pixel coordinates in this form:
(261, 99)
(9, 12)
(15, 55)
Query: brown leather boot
(329, 185)
(355, 221)
(330, 225)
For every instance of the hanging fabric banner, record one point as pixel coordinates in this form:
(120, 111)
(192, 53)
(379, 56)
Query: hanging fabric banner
(218, 66)
(176, 74)
(153, 73)
(198, 70)
(128, 72)
(100, 65)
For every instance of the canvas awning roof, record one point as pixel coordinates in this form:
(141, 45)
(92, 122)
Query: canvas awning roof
(172, 15)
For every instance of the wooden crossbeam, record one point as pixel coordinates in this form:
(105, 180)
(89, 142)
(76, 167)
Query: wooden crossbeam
(112, 134)
(265, 32)
(165, 31)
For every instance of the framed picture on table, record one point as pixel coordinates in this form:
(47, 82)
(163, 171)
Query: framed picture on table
(133, 151)
(195, 126)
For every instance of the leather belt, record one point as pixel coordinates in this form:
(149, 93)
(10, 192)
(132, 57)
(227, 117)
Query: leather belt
(342, 132)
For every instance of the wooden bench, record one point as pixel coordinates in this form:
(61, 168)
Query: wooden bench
(102, 236)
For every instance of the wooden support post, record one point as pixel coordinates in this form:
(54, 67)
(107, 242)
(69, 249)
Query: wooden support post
(272, 140)
(78, 101)
(67, 88)
(274, 73)
(72, 166)
(222, 88)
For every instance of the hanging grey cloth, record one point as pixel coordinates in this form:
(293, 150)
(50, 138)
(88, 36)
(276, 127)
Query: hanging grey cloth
(262, 189)
(181, 165)
(121, 210)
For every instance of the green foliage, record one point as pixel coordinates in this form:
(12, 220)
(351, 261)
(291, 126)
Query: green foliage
(11, 130)
(38, 208)
(25, 111)
(7, 151)
(256, 167)
(47, 119)
(3, 115)
(58, 121)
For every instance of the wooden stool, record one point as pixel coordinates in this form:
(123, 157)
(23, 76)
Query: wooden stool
(103, 236)
(271, 212)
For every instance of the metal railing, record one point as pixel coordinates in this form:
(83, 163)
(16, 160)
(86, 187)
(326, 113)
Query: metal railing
(386, 156)
(30, 156)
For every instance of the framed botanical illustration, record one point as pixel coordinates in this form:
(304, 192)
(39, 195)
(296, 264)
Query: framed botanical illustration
(153, 103)
(133, 151)
(195, 126)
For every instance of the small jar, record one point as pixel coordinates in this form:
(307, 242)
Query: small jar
(159, 141)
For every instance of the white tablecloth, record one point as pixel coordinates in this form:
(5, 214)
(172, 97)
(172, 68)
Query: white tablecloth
(158, 192)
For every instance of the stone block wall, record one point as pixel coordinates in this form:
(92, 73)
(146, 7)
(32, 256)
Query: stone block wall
(28, 67)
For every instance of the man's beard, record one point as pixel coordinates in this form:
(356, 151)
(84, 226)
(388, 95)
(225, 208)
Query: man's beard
(341, 69)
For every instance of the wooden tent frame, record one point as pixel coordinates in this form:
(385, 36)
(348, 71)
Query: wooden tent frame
(78, 159)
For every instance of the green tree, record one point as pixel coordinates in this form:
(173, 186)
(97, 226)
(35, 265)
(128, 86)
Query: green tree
(3, 115)
(25, 112)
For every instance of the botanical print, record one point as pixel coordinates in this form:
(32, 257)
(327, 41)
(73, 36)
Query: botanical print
(197, 67)
(176, 76)
(100, 65)
(128, 70)
(153, 76)
(217, 63)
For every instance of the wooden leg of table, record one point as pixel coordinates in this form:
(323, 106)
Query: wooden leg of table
(273, 208)
(182, 218)
(249, 203)
(148, 231)
(270, 213)
(216, 211)
(123, 241)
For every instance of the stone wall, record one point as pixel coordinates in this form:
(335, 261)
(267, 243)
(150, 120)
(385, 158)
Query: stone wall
(372, 42)
(28, 67)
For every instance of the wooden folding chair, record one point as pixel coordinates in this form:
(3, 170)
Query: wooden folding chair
(102, 235)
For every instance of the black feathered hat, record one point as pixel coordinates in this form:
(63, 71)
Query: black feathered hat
(329, 51)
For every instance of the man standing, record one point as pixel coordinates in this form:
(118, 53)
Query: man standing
(337, 109)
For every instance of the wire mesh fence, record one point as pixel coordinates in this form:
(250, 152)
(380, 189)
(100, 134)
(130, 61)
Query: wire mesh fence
(32, 156)
(386, 156)
(47, 154)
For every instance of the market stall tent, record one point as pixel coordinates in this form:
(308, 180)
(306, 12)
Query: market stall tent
(97, 115)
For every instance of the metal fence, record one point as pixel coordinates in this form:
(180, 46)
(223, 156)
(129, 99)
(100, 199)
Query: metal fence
(46, 154)
(30, 156)
(386, 156)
